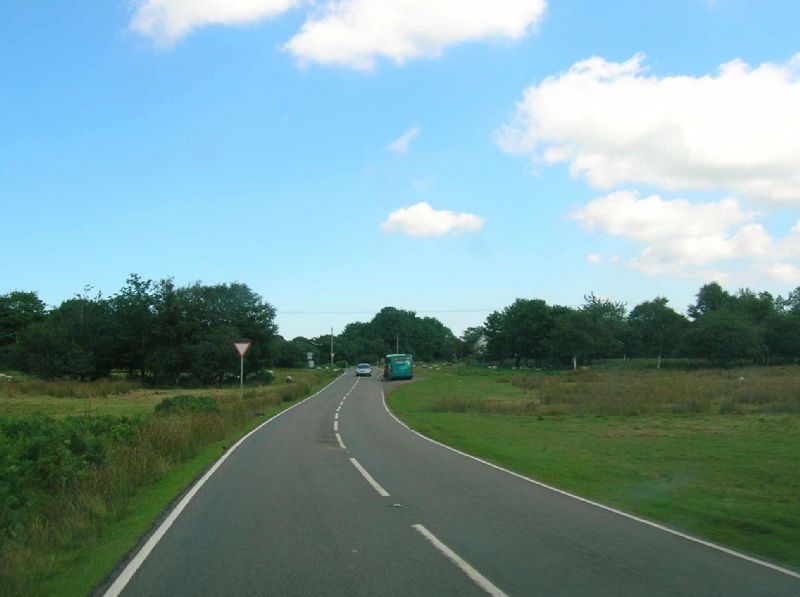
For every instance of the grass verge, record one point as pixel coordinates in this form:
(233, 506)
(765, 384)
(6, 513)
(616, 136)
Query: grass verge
(70, 538)
(702, 452)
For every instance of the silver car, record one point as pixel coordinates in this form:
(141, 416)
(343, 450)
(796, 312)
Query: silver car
(363, 369)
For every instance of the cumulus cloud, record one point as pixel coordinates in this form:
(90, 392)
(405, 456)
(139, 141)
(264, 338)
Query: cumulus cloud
(594, 258)
(403, 142)
(167, 21)
(422, 220)
(784, 272)
(354, 33)
(736, 131)
(683, 238)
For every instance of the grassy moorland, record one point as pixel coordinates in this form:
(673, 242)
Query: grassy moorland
(77, 491)
(712, 452)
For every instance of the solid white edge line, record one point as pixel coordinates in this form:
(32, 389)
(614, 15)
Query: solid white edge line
(336, 425)
(130, 569)
(476, 577)
(649, 523)
(369, 478)
(341, 443)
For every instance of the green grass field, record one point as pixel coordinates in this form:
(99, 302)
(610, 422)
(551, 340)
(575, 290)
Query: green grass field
(714, 453)
(72, 537)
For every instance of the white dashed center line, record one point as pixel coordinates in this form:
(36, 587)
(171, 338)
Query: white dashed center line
(381, 491)
(476, 577)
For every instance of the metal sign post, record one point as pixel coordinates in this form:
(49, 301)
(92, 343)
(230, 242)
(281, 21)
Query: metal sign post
(241, 347)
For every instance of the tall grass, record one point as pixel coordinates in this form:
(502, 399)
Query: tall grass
(87, 503)
(67, 389)
(626, 392)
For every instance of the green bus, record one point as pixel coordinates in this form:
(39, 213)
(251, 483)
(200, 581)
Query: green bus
(398, 366)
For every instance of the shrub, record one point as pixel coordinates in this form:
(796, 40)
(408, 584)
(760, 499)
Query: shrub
(40, 456)
(187, 404)
(263, 375)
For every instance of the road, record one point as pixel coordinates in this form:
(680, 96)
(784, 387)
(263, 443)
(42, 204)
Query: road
(336, 497)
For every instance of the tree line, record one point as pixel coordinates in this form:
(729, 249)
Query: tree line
(164, 334)
(719, 327)
(155, 331)
(390, 330)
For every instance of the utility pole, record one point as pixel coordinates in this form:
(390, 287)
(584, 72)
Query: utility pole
(397, 344)
(331, 347)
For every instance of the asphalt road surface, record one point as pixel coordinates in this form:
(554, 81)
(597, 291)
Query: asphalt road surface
(336, 497)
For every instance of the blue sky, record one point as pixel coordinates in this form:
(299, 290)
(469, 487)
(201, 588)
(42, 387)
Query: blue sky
(443, 157)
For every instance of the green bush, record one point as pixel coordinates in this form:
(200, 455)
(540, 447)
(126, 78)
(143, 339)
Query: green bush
(41, 456)
(263, 375)
(187, 404)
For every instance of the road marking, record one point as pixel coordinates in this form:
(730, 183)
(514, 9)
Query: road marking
(368, 477)
(135, 563)
(649, 523)
(336, 420)
(476, 577)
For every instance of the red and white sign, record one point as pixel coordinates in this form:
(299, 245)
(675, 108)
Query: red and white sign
(242, 347)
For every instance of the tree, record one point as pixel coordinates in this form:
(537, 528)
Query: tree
(571, 337)
(292, 353)
(75, 340)
(783, 336)
(134, 312)
(424, 337)
(527, 324)
(498, 345)
(473, 342)
(18, 310)
(609, 326)
(710, 297)
(723, 336)
(658, 328)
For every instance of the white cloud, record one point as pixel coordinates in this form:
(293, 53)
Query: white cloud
(594, 258)
(784, 272)
(422, 220)
(354, 33)
(737, 130)
(167, 21)
(682, 238)
(403, 142)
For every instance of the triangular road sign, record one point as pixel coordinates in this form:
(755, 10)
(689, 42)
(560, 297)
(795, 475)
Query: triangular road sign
(242, 347)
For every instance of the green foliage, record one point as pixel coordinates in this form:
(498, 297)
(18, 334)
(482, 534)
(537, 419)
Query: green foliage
(292, 353)
(66, 483)
(725, 328)
(40, 456)
(18, 310)
(75, 340)
(187, 404)
(183, 336)
(724, 337)
(158, 332)
(389, 331)
(657, 328)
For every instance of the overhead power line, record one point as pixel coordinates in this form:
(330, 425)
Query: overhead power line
(370, 312)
